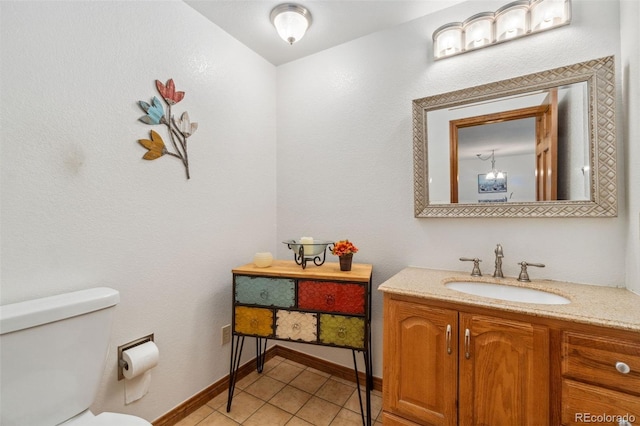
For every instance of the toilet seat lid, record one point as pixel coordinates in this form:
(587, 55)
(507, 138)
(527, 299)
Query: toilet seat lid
(106, 419)
(116, 419)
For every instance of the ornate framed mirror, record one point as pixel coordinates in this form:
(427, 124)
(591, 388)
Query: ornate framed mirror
(539, 145)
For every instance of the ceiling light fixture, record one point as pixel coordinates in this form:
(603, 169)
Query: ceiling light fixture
(517, 19)
(291, 21)
(494, 173)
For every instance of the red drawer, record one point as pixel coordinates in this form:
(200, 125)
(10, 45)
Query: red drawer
(331, 297)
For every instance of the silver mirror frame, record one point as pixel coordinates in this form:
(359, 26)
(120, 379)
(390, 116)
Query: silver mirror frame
(600, 77)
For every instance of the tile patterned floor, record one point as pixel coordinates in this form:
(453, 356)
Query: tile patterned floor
(287, 393)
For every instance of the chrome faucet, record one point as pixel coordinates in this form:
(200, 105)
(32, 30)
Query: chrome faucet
(524, 274)
(476, 265)
(497, 273)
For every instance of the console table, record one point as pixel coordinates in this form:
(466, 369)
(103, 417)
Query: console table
(319, 305)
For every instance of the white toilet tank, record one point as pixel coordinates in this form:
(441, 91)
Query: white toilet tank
(52, 355)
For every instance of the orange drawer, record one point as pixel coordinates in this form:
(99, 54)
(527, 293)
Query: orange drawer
(586, 404)
(347, 298)
(254, 321)
(602, 361)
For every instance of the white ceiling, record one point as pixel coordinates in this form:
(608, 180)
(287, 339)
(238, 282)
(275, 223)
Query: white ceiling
(333, 22)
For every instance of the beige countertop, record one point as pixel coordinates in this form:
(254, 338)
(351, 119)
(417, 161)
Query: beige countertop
(590, 304)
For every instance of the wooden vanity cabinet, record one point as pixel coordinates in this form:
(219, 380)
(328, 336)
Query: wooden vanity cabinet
(504, 371)
(420, 365)
(600, 378)
(450, 367)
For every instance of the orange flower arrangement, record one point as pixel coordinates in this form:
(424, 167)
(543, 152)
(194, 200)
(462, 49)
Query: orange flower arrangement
(343, 247)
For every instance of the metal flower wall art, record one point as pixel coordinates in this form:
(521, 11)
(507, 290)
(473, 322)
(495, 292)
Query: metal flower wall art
(179, 129)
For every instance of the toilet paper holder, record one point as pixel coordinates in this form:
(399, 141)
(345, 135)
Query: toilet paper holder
(122, 364)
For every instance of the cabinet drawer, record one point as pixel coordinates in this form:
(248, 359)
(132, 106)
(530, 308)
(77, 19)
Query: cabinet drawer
(348, 298)
(593, 359)
(253, 321)
(583, 403)
(263, 291)
(342, 331)
(296, 326)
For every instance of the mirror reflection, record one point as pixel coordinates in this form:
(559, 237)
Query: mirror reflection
(524, 148)
(538, 145)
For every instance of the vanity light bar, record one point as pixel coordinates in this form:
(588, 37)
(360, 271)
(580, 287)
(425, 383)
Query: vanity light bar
(517, 19)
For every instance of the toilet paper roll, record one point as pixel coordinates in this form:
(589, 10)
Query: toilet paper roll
(139, 359)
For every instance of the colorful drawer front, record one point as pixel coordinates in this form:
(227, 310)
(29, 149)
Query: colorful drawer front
(342, 331)
(254, 321)
(346, 298)
(296, 326)
(265, 291)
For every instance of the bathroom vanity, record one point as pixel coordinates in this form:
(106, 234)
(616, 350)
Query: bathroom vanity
(319, 305)
(453, 358)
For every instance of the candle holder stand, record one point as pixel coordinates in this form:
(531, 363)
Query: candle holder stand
(315, 252)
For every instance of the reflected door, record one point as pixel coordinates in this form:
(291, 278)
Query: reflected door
(547, 149)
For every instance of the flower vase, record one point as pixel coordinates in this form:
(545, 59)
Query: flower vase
(345, 261)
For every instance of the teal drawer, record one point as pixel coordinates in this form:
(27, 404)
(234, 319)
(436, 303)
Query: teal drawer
(265, 291)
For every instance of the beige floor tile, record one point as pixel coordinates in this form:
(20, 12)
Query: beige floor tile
(318, 411)
(264, 388)
(285, 372)
(219, 401)
(345, 381)
(272, 363)
(268, 415)
(347, 418)
(218, 419)
(297, 364)
(318, 372)
(248, 379)
(354, 405)
(290, 399)
(195, 417)
(243, 406)
(308, 381)
(334, 391)
(297, 421)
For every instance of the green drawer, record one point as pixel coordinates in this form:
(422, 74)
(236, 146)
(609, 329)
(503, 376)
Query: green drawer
(265, 291)
(342, 331)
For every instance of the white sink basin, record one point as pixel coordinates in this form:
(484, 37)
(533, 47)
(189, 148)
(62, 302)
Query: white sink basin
(508, 292)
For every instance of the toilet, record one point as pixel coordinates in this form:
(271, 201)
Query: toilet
(53, 353)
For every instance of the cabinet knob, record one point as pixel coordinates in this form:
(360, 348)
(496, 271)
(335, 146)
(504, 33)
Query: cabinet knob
(295, 328)
(622, 367)
(342, 332)
(264, 294)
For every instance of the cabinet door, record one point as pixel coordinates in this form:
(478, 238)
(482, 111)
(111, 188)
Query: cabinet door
(420, 362)
(504, 372)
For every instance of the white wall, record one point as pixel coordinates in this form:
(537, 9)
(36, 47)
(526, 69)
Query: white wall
(80, 208)
(630, 70)
(344, 121)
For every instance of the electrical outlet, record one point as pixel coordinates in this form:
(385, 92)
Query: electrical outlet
(226, 334)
